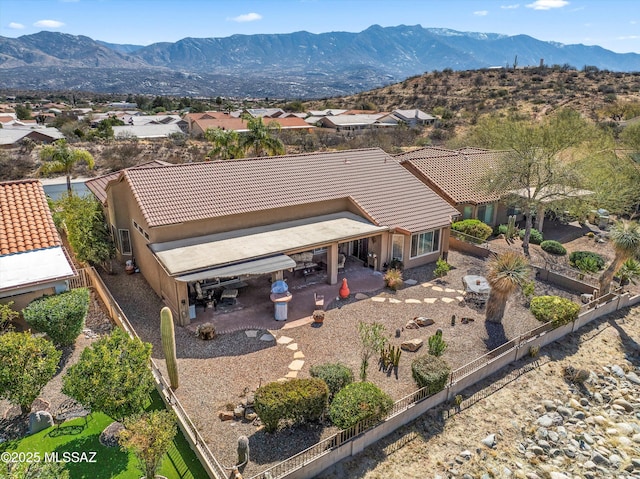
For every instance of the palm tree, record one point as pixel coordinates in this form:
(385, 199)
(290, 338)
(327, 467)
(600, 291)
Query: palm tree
(625, 236)
(260, 138)
(507, 272)
(225, 143)
(60, 158)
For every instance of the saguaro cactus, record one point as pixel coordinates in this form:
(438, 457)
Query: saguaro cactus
(169, 345)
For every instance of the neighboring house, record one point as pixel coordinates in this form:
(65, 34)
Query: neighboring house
(259, 112)
(327, 112)
(222, 220)
(141, 120)
(413, 117)
(357, 121)
(33, 261)
(146, 131)
(456, 176)
(11, 136)
(198, 126)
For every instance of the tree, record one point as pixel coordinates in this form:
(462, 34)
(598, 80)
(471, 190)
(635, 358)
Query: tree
(260, 138)
(225, 143)
(27, 364)
(33, 470)
(82, 218)
(372, 340)
(625, 236)
(534, 161)
(112, 376)
(23, 112)
(507, 272)
(60, 158)
(149, 437)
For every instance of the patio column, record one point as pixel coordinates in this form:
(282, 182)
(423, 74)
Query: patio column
(332, 263)
(183, 303)
(540, 217)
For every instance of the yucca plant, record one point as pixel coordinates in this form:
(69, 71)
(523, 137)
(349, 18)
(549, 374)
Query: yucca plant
(507, 272)
(625, 236)
(629, 272)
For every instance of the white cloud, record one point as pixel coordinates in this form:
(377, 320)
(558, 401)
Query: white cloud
(510, 7)
(247, 17)
(629, 37)
(547, 4)
(48, 24)
(16, 26)
(633, 22)
(481, 13)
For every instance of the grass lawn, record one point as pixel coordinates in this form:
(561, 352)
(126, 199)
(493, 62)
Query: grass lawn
(110, 463)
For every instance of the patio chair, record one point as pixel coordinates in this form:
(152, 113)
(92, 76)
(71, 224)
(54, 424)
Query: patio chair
(341, 261)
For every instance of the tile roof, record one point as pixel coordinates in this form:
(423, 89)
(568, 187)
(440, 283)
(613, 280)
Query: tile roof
(240, 124)
(455, 173)
(387, 193)
(98, 185)
(26, 223)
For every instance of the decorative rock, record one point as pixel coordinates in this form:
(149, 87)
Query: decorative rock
(411, 324)
(225, 415)
(296, 365)
(633, 377)
(537, 450)
(490, 440)
(267, 337)
(251, 333)
(410, 282)
(110, 435)
(557, 475)
(298, 355)
(545, 420)
(636, 438)
(248, 400)
(625, 429)
(412, 345)
(420, 321)
(466, 454)
(284, 340)
(617, 370)
(292, 346)
(598, 458)
(361, 296)
(238, 411)
(589, 465)
(625, 404)
(39, 420)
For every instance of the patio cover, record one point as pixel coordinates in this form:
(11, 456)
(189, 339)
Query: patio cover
(549, 194)
(23, 270)
(197, 254)
(254, 267)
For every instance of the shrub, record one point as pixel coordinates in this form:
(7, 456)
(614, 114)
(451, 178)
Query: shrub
(442, 268)
(553, 247)
(357, 402)
(297, 400)
(393, 279)
(593, 264)
(475, 228)
(534, 238)
(555, 309)
(437, 345)
(430, 372)
(336, 375)
(60, 316)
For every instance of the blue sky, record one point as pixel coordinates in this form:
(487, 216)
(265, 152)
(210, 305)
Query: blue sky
(612, 24)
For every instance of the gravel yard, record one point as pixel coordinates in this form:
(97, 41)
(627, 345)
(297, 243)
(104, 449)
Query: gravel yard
(216, 375)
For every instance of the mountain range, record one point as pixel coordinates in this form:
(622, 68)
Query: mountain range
(294, 65)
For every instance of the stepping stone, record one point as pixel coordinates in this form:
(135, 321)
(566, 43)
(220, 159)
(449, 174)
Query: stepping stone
(293, 346)
(449, 290)
(460, 298)
(267, 337)
(378, 299)
(298, 355)
(430, 300)
(426, 285)
(411, 282)
(284, 340)
(459, 291)
(251, 333)
(361, 296)
(291, 375)
(448, 300)
(296, 365)
(437, 288)
(394, 301)
(282, 380)
(413, 301)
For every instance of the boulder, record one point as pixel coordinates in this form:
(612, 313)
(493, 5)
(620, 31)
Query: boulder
(225, 415)
(420, 321)
(39, 420)
(411, 325)
(238, 411)
(110, 436)
(412, 345)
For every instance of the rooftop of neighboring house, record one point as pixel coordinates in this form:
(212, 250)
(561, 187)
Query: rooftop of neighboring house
(147, 130)
(239, 124)
(455, 174)
(417, 114)
(26, 223)
(385, 192)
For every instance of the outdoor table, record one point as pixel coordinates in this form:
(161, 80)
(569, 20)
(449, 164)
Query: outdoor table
(476, 287)
(229, 296)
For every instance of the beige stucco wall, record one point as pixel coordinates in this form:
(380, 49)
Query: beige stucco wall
(20, 301)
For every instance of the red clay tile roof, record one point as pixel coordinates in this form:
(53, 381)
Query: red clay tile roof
(25, 220)
(98, 186)
(455, 173)
(387, 192)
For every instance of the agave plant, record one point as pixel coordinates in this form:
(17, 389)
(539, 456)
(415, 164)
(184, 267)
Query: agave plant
(625, 236)
(507, 272)
(629, 272)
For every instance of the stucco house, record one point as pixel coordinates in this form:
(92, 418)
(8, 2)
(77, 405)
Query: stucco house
(456, 176)
(33, 261)
(215, 222)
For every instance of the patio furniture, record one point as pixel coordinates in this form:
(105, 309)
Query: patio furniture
(318, 300)
(476, 288)
(228, 297)
(70, 409)
(341, 261)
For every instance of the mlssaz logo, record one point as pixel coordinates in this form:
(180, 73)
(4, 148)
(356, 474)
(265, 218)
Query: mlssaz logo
(71, 456)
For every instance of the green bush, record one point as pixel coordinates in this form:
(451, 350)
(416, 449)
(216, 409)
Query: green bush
(475, 228)
(430, 372)
(553, 247)
(534, 238)
(437, 345)
(357, 402)
(60, 316)
(297, 400)
(336, 375)
(555, 309)
(500, 230)
(442, 268)
(587, 261)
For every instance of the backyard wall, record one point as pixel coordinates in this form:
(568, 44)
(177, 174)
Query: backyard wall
(469, 248)
(563, 281)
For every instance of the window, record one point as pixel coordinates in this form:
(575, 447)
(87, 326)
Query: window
(425, 243)
(514, 211)
(140, 229)
(467, 212)
(485, 213)
(397, 247)
(125, 242)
